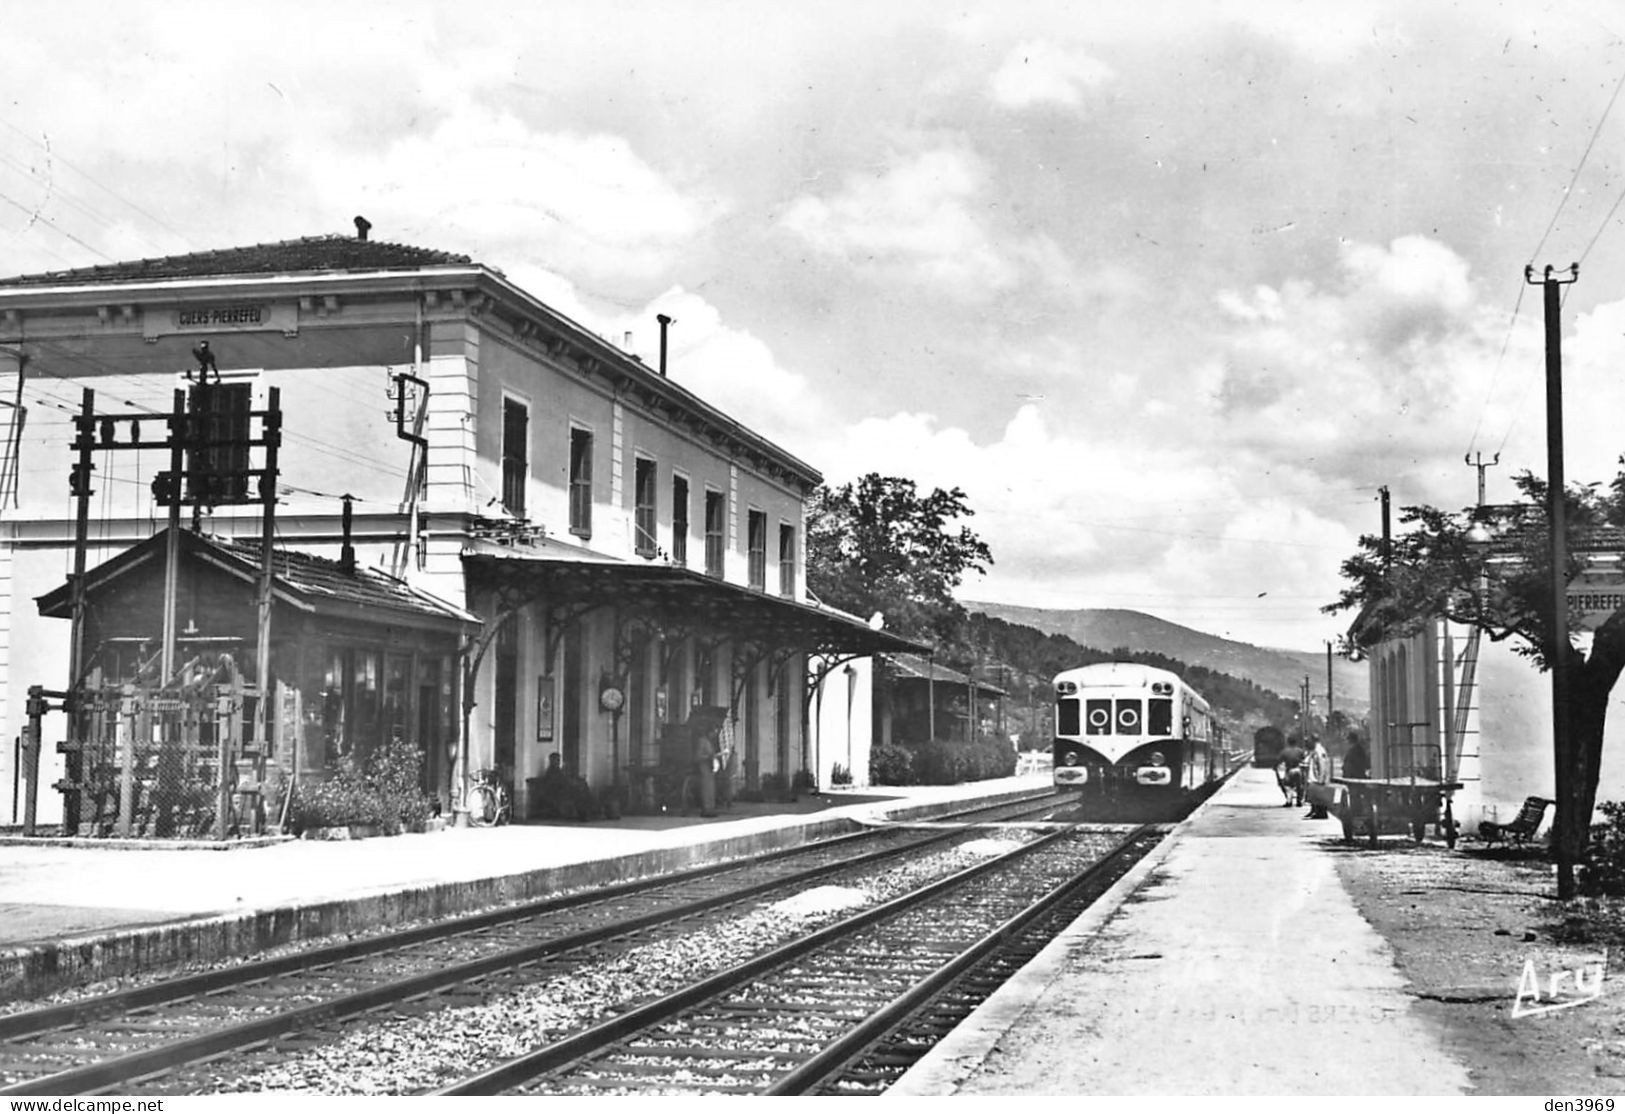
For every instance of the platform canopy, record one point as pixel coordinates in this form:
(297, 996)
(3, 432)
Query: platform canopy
(672, 601)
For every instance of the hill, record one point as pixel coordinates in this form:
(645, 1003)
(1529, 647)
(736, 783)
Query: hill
(1280, 671)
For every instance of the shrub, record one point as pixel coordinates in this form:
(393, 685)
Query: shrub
(840, 775)
(941, 762)
(802, 782)
(1602, 874)
(339, 800)
(395, 773)
(384, 792)
(892, 764)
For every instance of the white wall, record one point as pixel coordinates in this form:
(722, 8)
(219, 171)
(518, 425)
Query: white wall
(842, 722)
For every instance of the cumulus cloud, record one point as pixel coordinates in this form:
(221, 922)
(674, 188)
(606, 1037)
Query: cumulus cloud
(587, 203)
(1381, 362)
(1093, 513)
(735, 371)
(1038, 72)
(915, 222)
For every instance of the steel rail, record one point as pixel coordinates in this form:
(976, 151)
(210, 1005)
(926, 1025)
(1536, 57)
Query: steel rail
(23, 1023)
(835, 1057)
(519, 1069)
(109, 1073)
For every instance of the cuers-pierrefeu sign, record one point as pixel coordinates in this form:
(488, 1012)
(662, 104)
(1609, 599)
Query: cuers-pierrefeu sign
(223, 317)
(220, 315)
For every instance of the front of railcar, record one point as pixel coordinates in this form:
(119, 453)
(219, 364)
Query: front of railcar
(1118, 730)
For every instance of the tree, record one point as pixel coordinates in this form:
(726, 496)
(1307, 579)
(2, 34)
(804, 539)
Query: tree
(1434, 569)
(878, 545)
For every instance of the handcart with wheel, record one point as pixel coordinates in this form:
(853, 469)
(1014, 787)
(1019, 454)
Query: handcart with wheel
(1389, 806)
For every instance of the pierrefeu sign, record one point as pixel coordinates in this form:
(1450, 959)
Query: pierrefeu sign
(1596, 594)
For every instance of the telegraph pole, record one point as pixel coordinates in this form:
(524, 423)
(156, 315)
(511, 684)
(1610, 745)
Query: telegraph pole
(1303, 710)
(1565, 845)
(1387, 529)
(1328, 683)
(1481, 466)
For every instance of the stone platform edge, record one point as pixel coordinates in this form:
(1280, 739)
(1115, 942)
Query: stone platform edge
(959, 1055)
(32, 971)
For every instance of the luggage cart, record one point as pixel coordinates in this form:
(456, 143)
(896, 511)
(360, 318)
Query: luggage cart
(1414, 794)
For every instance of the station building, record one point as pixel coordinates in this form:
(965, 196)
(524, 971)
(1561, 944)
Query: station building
(592, 549)
(1448, 703)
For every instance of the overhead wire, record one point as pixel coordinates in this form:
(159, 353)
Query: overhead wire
(1523, 284)
(114, 194)
(34, 215)
(1579, 166)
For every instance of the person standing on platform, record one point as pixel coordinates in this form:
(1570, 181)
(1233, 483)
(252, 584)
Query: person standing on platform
(1320, 779)
(1288, 772)
(724, 763)
(1356, 763)
(705, 721)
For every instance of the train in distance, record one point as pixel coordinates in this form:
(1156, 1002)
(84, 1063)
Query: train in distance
(1126, 730)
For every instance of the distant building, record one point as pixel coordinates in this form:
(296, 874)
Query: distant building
(923, 700)
(623, 550)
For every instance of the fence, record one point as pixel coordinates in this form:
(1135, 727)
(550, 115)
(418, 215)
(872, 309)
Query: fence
(167, 762)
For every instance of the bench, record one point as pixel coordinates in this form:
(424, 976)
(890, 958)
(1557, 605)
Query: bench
(1523, 826)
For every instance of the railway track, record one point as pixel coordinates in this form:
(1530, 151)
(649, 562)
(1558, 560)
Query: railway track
(843, 1010)
(155, 1032)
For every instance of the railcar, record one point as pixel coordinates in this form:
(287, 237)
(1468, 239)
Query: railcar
(1268, 743)
(1125, 730)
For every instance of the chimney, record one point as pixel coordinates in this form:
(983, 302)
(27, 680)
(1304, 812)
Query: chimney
(362, 227)
(664, 323)
(626, 341)
(347, 552)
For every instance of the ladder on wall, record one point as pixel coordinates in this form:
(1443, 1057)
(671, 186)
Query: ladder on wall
(1459, 697)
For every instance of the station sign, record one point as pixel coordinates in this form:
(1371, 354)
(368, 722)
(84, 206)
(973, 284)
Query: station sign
(1595, 594)
(222, 317)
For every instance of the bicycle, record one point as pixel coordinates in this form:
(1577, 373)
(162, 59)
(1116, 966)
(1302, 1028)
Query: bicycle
(488, 802)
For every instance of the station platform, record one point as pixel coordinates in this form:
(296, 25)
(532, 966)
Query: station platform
(74, 911)
(1230, 962)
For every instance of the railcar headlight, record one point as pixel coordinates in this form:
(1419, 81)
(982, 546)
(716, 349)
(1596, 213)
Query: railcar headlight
(1071, 758)
(1156, 758)
(1066, 688)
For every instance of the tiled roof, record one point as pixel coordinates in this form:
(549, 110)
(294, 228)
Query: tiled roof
(302, 256)
(320, 579)
(310, 582)
(913, 667)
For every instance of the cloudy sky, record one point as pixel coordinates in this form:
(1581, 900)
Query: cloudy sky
(1170, 289)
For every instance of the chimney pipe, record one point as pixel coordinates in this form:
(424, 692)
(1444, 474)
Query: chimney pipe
(362, 227)
(665, 322)
(347, 552)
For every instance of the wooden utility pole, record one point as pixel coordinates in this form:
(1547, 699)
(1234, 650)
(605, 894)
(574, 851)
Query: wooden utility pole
(1387, 529)
(1481, 466)
(1303, 710)
(1328, 683)
(1569, 827)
